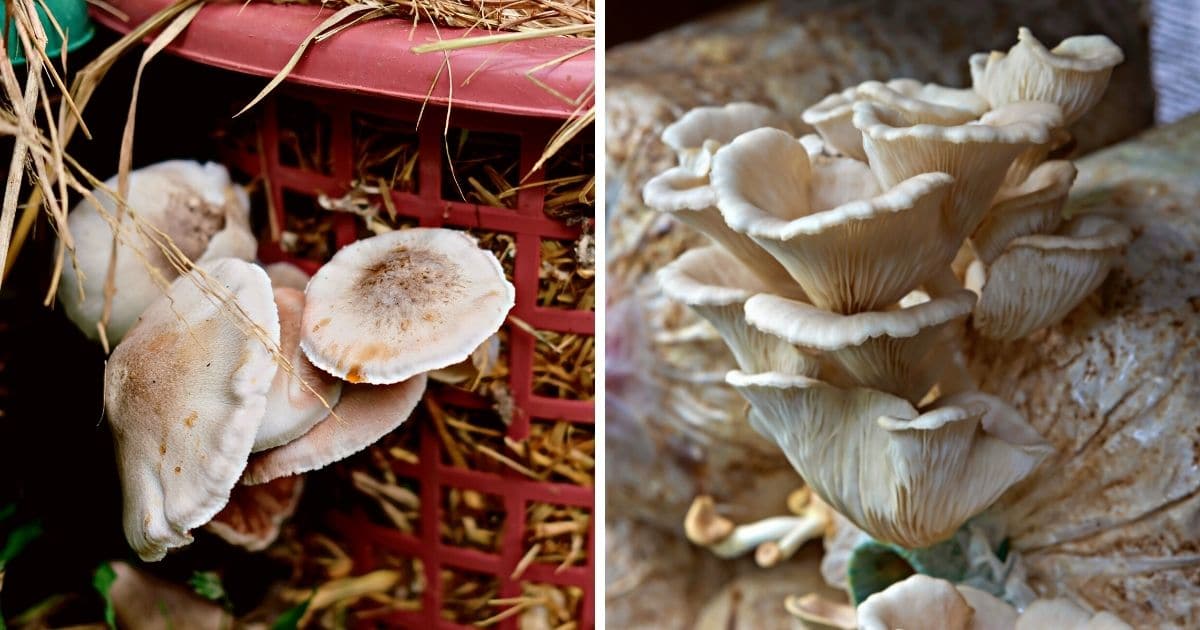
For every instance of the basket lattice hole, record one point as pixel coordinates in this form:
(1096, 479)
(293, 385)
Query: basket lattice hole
(259, 208)
(560, 451)
(308, 230)
(570, 180)
(382, 221)
(547, 606)
(503, 245)
(564, 365)
(390, 500)
(468, 596)
(471, 438)
(238, 134)
(406, 596)
(386, 153)
(472, 519)
(555, 534)
(484, 372)
(304, 132)
(481, 167)
(564, 281)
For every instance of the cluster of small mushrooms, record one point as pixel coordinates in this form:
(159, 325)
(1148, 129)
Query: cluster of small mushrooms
(846, 268)
(237, 379)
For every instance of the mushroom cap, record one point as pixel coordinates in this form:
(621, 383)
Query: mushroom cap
(1032, 207)
(392, 306)
(197, 205)
(847, 246)
(817, 613)
(831, 117)
(977, 155)
(716, 285)
(185, 393)
(292, 408)
(1072, 75)
(690, 199)
(918, 601)
(702, 130)
(1063, 614)
(1040, 278)
(254, 515)
(142, 601)
(904, 477)
(902, 352)
(365, 414)
(285, 274)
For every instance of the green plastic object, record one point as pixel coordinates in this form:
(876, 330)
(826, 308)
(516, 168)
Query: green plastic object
(72, 18)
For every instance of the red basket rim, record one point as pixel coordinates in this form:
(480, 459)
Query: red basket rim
(376, 57)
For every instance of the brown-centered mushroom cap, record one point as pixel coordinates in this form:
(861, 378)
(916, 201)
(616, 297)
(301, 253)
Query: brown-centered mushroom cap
(849, 247)
(254, 515)
(1072, 75)
(365, 414)
(185, 393)
(716, 285)
(204, 213)
(293, 406)
(1040, 278)
(387, 308)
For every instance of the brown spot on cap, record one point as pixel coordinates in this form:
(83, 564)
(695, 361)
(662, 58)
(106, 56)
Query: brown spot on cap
(190, 421)
(178, 470)
(355, 374)
(324, 321)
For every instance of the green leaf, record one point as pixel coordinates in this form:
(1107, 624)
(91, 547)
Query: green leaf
(290, 619)
(207, 584)
(18, 540)
(103, 580)
(7, 511)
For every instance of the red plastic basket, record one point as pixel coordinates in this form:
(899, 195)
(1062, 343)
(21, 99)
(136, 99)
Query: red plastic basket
(375, 74)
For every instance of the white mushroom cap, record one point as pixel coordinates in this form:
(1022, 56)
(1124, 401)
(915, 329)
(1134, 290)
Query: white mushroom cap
(292, 404)
(1048, 114)
(702, 130)
(285, 274)
(1062, 614)
(976, 155)
(1039, 279)
(918, 601)
(901, 352)
(817, 613)
(392, 306)
(185, 393)
(848, 249)
(1072, 75)
(921, 102)
(255, 514)
(714, 284)
(197, 205)
(365, 414)
(903, 476)
(1033, 207)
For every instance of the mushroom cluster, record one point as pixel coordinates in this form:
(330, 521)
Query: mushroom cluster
(227, 387)
(847, 266)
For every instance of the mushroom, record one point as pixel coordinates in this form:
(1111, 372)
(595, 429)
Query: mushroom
(364, 414)
(904, 476)
(847, 253)
(773, 539)
(918, 601)
(142, 601)
(901, 352)
(921, 102)
(285, 274)
(702, 130)
(1040, 278)
(818, 613)
(1072, 75)
(196, 205)
(1063, 614)
(1032, 207)
(977, 155)
(301, 396)
(716, 285)
(185, 393)
(390, 307)
(254, 515)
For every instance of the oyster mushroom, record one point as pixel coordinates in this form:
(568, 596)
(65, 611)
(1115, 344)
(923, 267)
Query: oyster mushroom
(904, 476)
(254, 515)
(204, 213)
(773, 539)
(921, 103)
(1032, 207)
(302, 396)
(1040, 278)
(977, 155)
(901, 352)
(1065, 615)
(364, 414)
(849, 247)
(716, 285)
(393, 306)
(702, 130)
(1072, 75)
(185, 393)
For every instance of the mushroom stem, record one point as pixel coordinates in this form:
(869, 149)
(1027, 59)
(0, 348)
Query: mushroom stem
(775, 539)
(752, 535)
(804, 529)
